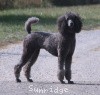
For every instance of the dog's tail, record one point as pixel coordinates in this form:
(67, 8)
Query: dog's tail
(30, 21)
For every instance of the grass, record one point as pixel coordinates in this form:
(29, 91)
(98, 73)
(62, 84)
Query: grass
(12, 21)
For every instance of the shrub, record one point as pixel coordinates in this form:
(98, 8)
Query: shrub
(6, 4)
(73, 2)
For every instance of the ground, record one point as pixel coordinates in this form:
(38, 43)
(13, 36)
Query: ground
(85, 70)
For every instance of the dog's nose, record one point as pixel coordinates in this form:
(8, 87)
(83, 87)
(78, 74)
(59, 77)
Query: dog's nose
(70, 23)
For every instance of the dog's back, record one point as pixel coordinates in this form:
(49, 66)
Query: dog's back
(47, 41)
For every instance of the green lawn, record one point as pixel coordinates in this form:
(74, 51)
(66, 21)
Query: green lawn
(12, 21)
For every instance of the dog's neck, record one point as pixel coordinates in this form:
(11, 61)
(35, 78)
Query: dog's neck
(68, 35)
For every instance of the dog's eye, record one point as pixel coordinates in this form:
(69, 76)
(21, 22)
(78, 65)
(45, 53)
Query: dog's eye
(70, 23)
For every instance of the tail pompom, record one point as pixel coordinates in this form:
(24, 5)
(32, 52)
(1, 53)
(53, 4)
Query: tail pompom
(31, 20)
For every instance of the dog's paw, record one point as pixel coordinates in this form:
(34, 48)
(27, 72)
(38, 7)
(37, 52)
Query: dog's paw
(62, 82)
(18, 80)
(70, 82)
(30, 80)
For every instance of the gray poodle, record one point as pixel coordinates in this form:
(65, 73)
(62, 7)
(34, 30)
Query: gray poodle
(61, 45)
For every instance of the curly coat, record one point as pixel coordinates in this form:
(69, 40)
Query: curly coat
(61, 44)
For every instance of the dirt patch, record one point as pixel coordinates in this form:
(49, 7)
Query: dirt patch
(5, 44)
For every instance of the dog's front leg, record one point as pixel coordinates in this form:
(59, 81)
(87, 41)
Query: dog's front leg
(61, 58)
(68, 62)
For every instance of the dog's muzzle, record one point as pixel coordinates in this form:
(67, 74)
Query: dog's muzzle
(70, 23)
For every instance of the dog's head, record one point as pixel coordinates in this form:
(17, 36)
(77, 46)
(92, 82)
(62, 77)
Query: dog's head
(69, 23)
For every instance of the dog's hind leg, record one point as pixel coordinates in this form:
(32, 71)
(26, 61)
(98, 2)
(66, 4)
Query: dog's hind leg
(68, 62)
(27, 68)
(27, 53)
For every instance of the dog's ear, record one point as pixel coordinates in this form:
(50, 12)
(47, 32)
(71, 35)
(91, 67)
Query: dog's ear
(60, 22)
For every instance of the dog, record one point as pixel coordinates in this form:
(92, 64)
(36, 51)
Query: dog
(61, 45)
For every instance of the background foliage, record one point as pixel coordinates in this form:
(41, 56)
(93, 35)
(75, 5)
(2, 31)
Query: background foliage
(5, 4)
(73, 2)
(14, 13)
